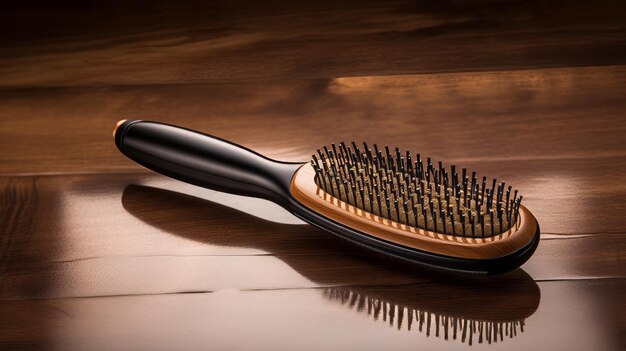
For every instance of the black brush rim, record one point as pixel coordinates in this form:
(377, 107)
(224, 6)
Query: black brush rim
(422, 258)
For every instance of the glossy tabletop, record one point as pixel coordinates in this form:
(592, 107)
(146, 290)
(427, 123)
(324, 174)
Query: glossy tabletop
(97, 253)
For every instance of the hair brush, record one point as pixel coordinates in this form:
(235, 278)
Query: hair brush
(391, 202)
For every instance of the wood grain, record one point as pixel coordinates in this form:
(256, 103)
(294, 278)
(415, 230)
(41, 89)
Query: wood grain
(156, 42)
(97, 253)
(134, 234)
(443, 115)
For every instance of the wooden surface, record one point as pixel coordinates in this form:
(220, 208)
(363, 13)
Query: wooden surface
(98, 253)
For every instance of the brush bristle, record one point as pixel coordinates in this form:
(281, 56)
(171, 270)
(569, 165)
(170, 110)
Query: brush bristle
(407, 190)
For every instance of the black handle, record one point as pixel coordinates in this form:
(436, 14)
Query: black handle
(205, 160)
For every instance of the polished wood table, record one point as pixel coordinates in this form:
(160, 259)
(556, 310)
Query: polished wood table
(97, 253)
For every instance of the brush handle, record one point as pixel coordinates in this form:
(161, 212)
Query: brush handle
(205, 160)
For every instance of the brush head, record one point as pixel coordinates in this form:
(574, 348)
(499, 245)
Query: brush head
(399, 204)
(407, 190)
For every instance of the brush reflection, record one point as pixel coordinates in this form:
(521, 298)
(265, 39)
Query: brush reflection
(467, 309)
(473, 311)
(448, 327)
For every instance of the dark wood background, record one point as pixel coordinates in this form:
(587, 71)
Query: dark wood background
(98, 253)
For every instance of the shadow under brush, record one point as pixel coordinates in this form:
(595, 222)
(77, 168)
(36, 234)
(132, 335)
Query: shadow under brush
(454, 307)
